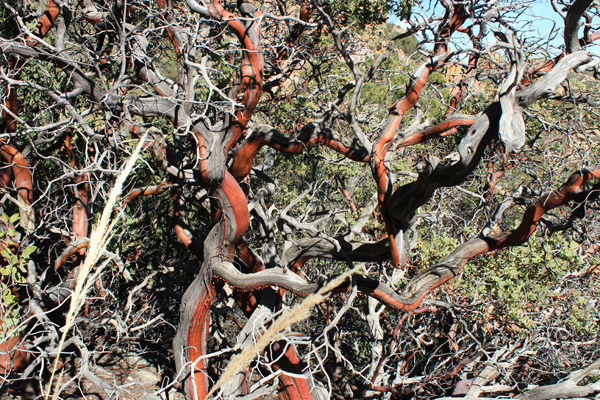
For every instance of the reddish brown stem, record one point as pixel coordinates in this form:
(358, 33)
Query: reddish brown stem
(196, 343)
(290, 387)
(309, 137)
(76, 247)
(13, 158)
(14, 357)
(347, 196)
(148, 191)
(11, 110)
(252, 66)
(443, 129)
(80, 210)
(396, 114)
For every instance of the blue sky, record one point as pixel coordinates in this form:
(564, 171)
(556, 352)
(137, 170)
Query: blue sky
(540, 20)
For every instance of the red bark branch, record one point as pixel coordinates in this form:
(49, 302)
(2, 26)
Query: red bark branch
(148, 191)
(442, 129)
(416, 290)
(11, 109)
(252, 67)
(290, 387)
(13, 158)
(396, 114)
(197, 383)
(266, 136)
(80, 209)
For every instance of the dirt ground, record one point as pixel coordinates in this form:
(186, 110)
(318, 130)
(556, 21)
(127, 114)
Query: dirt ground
(131, 376)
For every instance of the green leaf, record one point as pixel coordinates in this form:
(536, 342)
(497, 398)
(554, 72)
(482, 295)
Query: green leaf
(13, 218)
(4, 218)
(21, 266)
(29, 250)
(7, 296)
(5, 253)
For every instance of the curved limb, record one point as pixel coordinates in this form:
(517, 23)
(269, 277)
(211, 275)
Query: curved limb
(572, 42)
(406, 199)
(190, 341)
(396, 114)
(219, 245)
(415, 291)
(251, 72)
(189, 344)
(162, 187)
(576, 10)
(265, 135)
(77, 246)
(436, 275)
(290, 387)
(11, 109)
(445, 128)
(14, 159)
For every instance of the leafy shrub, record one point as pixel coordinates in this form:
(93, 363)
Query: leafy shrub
(13, 269)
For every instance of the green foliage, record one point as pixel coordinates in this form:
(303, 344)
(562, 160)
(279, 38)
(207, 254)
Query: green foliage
(385, 91)
(513, 284)
(13, 269)
(365, 12)
(435, 248)
(520, 280)
(408, 45)
(579, 318)
(402, 9)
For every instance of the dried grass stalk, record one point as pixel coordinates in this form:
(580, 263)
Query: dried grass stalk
(298, 313)
(99, 238)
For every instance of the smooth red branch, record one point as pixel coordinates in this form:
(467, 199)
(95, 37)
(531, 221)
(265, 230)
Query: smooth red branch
(148, 191)
(310, 136)
(252, 67)
(347, 196)
(418, 288)
(80, 210)
(78, 246)
(442, 129)
(438, 274)
(196, 343)
(396, 114)
(14, 159)
(11, 108)
(236, 214)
